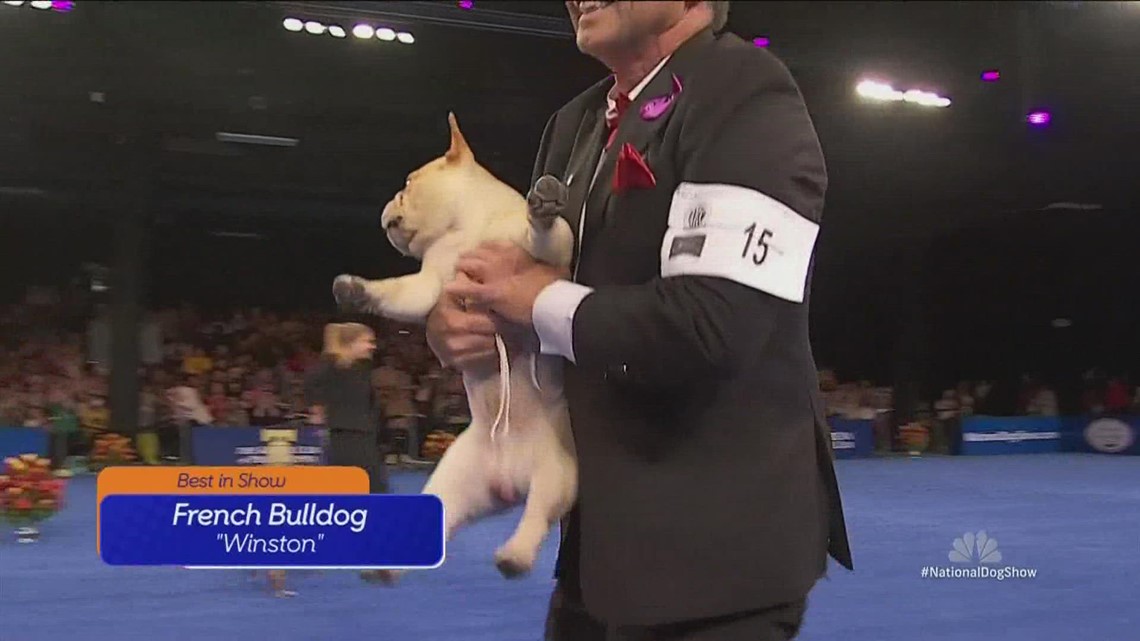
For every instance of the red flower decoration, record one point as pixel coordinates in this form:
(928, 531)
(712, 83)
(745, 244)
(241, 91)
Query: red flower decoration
(631, 171)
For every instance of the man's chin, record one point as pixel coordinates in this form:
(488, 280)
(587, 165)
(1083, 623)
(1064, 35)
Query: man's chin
(597, 44)
(589, 45)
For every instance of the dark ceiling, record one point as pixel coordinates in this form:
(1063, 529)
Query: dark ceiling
(368, 111)
(172, 74)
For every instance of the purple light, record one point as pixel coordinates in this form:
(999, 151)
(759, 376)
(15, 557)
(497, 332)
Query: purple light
(1039, 118)
(466, 4)
(62, 6)
(761, 42)
(992, 75)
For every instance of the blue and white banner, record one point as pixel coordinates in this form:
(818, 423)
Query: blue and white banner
(1011, 435)
(273, 531)
(1109, 435)
(224, 446)
(852, 438)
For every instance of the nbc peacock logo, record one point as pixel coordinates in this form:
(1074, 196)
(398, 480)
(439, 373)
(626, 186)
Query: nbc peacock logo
(975, 555)
(978, 549)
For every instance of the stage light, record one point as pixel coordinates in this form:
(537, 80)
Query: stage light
(41, 4)
(925, 98)
(466, 4)
(761, 42)
(62, 6)
(337, 31)
(314, 28)
(1039, 118)
(362, 31)
(992, 75)
(385, 34)
(878, 91)
(883, 92)
(13, 3)
(293, 24)
(406, 38)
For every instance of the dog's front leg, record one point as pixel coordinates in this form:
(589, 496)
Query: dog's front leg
(406, 299)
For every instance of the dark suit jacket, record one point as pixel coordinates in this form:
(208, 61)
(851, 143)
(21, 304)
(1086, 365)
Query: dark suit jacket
(706, 479)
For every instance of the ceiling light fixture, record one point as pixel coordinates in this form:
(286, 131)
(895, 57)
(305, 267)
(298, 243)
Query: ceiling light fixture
(883, 92)
(361, 30)
(255, 139)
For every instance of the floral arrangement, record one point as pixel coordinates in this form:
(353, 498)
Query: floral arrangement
(436, 444)
(111, 449)
(916, 437)
(28, 491)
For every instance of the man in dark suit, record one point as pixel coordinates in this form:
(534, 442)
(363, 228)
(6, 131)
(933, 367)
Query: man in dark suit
(707, 497)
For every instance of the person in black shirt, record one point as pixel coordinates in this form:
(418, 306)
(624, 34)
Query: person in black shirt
(342, 386)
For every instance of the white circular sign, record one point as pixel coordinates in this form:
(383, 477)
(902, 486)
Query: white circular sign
(1109, 435)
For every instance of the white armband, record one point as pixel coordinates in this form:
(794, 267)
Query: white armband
(740, 234)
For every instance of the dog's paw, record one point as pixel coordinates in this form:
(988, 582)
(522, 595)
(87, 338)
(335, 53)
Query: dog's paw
(350, 294)
(547, 199)
(514, 563)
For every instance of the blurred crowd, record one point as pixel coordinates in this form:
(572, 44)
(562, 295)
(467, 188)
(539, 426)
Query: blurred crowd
(247, 368)
(243, 368)
(1097, 394)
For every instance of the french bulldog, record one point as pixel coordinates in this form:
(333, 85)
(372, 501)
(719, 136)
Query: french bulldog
(519, 445)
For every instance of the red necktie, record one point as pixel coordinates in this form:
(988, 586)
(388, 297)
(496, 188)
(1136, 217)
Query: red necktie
(621, 103)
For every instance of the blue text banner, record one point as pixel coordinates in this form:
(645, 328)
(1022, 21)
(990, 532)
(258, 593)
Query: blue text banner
(273, 531)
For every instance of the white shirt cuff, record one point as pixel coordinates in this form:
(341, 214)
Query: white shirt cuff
(553, 317)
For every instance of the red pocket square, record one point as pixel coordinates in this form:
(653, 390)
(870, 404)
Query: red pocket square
(631, 171)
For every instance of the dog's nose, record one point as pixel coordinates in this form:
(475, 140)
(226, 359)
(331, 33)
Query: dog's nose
(394, 221)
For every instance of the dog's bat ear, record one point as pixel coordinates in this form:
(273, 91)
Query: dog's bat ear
(459, 149)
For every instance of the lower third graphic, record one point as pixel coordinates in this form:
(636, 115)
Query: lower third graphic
(976, 556)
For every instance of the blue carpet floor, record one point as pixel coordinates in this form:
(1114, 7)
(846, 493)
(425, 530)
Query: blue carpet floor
(1075, 519)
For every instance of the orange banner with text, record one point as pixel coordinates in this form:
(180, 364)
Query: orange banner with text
(303, 479)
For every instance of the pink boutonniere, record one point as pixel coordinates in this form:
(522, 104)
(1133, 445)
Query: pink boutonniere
(655, 108)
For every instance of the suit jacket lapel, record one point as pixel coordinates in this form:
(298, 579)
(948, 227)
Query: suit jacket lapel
(582, 164)
(637, 131)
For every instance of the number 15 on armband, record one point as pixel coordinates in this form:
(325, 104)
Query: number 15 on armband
(758, 250)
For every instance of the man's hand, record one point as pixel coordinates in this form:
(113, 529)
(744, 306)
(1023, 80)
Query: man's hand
(460, 338)
(503, 278)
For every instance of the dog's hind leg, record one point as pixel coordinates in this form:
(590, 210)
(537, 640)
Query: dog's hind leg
(462, 481)
(553, 488)
(549, 238)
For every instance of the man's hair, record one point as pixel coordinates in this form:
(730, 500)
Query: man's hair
(720, 14)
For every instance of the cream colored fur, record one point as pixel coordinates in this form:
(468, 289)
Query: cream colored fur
(450, 206)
